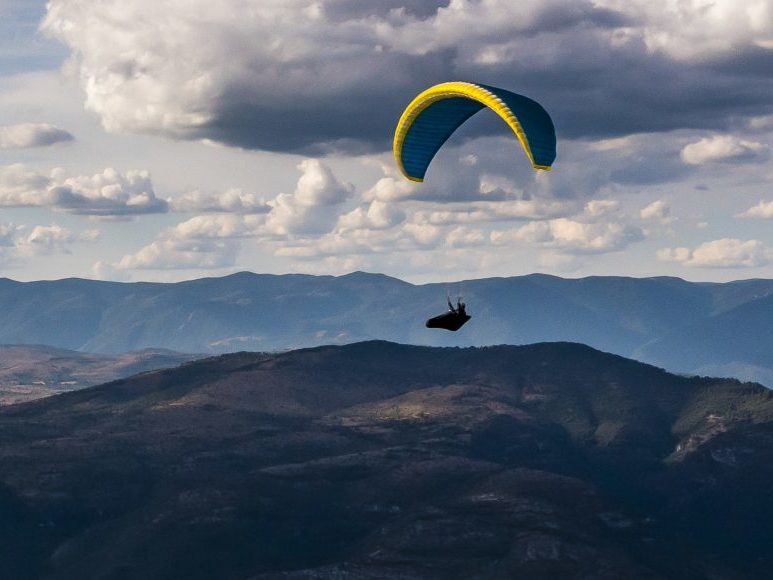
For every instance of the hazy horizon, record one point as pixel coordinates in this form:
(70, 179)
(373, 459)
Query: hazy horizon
(205, 275)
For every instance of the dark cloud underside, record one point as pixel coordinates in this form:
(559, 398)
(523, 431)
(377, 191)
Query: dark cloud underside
(300, 77)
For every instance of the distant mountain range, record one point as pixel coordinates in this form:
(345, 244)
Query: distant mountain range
(377, 460)
(704, 328)
(30, 372)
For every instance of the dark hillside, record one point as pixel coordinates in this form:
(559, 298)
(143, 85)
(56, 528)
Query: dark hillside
(377, 460)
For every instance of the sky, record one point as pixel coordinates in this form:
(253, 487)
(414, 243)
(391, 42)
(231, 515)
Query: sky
(176, 139)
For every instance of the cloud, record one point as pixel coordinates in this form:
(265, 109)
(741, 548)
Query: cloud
(406, 240)
(382, 225)
(214, 227)
(377, 215)
(394, 224)
(26, 135)
(658, 210)
(229, 201)
(599, 208)
(697, 30)
(174, 254)
(391, 189)
(211, 241)
(53, 239)
(18, 242)
(347, 243)
(21, 186)
(333, 75)
(726, 149)
(104, 271)
(314, 206)
(501, 173)
(464, 237)
(761, 123)
(723, 253)
(571, 236)
(115, 194)
(106, 194)
(509, 210)
(763, 210)
(8, 234)
(584, 169)
(206, 242)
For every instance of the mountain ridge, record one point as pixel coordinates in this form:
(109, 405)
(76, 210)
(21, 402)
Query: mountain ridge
(629, 316)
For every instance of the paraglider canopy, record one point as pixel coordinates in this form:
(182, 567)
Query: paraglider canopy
(452, 320)
(434, 114)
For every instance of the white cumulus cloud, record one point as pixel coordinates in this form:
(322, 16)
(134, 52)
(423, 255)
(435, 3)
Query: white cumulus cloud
(696, 29)
(598, 208)
(213, 240)
(572, 236)
(658, 210)
(390, 189)
(314, 206)
(53, 239)
(377, 215)
(763, 210)
(106, 194)
(26, 135)
(724, 148)
(722, 253)
(206, 242)
(18, 242)
(229, 201)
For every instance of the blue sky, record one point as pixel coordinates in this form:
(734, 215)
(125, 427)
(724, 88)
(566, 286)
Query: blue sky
(153, 140)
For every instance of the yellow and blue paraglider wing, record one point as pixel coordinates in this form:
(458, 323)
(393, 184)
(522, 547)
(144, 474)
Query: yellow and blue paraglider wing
(432, 117)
